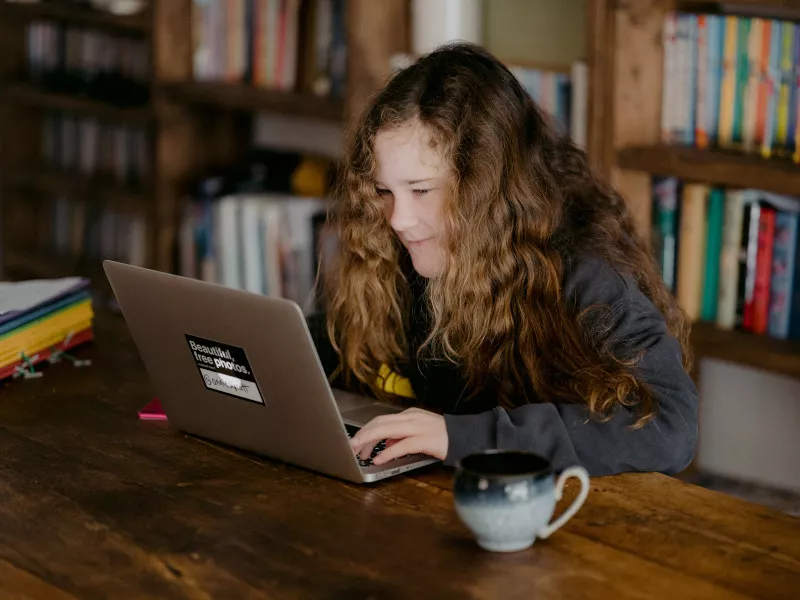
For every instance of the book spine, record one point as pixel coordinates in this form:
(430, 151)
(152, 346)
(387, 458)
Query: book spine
(742, 68)
(690, 80)
(766, 240)
(670, 36)
(786, 66)
(703, 77)
(715, 44)
(783, 256)
(763, 84)
(750, 266)
(796, 106)
(291, 65)
(793, 82)
(773, 85)
(272, 21)
(794, 300)
(750, 210)
(249, 27)
(691, 248)
(716, 210)
(753, 84)
(280, 44)
(665, 194)
(728, 89)
(338, 52)
(729, 259)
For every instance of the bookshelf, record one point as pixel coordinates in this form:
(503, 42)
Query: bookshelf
(22, 93)
(631, 150)
(757, 351)
(714, 167)
(21, 13)
(52, 181)
(190, 125)
(248, 98)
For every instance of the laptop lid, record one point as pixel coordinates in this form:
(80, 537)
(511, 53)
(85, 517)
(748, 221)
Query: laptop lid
(234, 367)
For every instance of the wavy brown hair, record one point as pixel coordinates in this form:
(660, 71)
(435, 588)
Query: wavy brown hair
(524, 205)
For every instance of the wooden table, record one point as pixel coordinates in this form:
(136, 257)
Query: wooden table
(97, 504)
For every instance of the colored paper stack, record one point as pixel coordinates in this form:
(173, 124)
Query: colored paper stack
(40, 320)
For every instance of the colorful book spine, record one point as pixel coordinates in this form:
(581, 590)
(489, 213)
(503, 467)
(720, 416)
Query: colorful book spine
(747, 264)
(766, 240)
(796, 107)
(728, 86)
(786, 84)
(716, 38)
(794, 303)
(669, 38)
(783, 271)
(692, 244)
(791, 141)
(683, 75)
(773, 85)
(716, 210)
(742, 69)
(666, 191)
(703, 80)
(753, 84)
(729, 259)
(81, 337)
(763, 84)
(690, 79)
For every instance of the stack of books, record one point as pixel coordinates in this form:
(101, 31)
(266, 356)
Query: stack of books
(731, 256)
(260, 226)
(731, 82)
(40, 320)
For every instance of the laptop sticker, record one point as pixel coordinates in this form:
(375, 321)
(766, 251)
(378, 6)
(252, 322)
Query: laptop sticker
(224, 369)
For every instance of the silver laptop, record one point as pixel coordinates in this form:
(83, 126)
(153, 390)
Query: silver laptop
(241, 369)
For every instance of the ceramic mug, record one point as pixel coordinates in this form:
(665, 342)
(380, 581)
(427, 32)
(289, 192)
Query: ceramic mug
(506, 498)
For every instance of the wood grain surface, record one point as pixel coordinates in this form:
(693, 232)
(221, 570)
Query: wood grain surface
(97, 504)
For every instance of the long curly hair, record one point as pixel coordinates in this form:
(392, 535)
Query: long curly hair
(524, 204)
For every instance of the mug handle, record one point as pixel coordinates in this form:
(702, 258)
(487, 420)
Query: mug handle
(583, 476)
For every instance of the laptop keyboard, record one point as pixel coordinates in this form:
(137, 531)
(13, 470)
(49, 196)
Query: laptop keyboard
(379, 447)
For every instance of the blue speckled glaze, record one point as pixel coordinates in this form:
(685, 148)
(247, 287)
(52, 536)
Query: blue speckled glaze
(504, 498)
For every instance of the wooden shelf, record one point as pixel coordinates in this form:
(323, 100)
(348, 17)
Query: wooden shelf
(715, 167)
(757, 351)
(30, 95)
(251, 98)
(60, 182)
(79, 15)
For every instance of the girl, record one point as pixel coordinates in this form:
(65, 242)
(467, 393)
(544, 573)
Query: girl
(488, 279)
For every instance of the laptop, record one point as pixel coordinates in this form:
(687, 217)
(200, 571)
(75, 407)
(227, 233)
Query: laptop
(241, 369)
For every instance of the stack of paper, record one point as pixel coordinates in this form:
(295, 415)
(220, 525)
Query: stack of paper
(42, 318)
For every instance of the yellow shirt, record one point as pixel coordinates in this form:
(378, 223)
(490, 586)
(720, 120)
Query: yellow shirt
(394, 383)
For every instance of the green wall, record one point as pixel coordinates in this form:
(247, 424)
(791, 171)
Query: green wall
(549, 31)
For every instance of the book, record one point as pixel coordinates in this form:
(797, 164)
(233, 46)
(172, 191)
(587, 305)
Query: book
(784, 265)
(729, 258)
(693, 223)
(40, 319)
(714, 232)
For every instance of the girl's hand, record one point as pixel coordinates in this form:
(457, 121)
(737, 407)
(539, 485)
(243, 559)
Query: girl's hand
(410, 432)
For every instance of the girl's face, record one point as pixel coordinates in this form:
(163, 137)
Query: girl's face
(412, 180)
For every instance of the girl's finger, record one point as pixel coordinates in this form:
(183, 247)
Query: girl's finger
(376, 433)
(410, 445)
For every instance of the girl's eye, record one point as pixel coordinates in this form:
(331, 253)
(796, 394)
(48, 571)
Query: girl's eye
(420, 192)
(382, 192)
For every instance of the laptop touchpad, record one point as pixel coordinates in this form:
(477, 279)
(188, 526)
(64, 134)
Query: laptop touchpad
(360, 416)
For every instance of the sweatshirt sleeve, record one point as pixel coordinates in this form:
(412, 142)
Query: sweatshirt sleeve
(565, 434)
